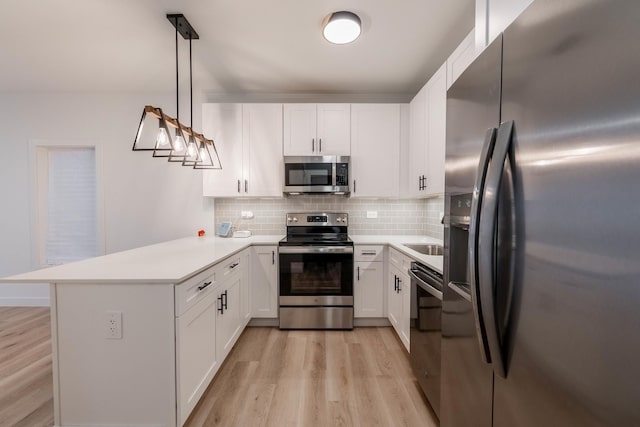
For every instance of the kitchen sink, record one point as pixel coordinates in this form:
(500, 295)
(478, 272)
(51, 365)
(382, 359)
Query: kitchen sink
(425, 249)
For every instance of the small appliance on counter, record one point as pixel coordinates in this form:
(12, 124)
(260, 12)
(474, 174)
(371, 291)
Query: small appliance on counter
(316, 272)
(224, 229)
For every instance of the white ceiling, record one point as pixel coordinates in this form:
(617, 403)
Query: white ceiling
(245, 46)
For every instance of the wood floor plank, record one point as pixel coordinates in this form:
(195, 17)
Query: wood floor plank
(26, 379)
(358, 378)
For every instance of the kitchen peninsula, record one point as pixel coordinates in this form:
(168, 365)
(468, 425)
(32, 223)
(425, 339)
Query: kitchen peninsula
(138, 335)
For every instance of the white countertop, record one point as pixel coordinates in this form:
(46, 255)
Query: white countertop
(167, 262)
(177, 260)
(397, 242)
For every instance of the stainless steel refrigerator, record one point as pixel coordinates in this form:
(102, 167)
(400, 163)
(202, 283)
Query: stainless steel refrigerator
(541, 309)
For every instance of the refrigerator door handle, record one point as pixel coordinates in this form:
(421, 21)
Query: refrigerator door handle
(486, 239)
(473, 226)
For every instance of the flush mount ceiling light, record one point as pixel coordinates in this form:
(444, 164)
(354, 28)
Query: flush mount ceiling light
(180, 143)
(341, 27)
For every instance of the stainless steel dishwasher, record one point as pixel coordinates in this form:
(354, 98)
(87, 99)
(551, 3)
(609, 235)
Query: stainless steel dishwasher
(426, 330)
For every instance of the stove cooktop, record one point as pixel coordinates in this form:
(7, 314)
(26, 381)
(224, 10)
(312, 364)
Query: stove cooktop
(316, 241)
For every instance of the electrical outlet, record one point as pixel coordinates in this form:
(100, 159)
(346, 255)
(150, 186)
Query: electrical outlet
(113, 325)
(246, 214)
(372, 214)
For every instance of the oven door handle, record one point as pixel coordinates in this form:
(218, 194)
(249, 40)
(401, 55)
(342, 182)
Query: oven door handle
(315, 250)
(426, 286)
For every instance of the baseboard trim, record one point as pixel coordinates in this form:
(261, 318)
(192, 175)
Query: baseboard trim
(371, 321)
(24, 302)
(264, 322)
(358, 321)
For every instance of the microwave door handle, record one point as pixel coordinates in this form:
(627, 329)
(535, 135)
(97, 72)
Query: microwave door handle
(487, 229)
(319, 145)
(313, 145)
(474, 220)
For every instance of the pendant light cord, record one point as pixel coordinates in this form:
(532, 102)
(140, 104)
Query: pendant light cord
(190, 82)
(177, 81)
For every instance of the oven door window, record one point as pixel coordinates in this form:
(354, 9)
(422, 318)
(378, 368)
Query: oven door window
(316, 274)
(308, 174)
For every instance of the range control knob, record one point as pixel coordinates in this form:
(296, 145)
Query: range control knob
(288, 219)
(295, 219)
(339, 219)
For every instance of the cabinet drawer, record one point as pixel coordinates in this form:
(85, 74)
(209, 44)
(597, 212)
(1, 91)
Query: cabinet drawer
(369, 253)
(229, 266)
(398, 259)
(193, 290)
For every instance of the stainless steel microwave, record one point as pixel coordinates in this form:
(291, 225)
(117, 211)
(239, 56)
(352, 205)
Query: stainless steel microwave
(316, 175)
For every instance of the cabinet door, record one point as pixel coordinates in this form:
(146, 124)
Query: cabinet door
(300, 130)
(460, 59)
(229, 321)
(375, 150)
(368, 289)
(223, 123)
(394, 300)
(417, 148)
(264, 281)
(244, 287)
(436, 117)
(196, 359)
(262, 141)
(334, 130)
(404, 284)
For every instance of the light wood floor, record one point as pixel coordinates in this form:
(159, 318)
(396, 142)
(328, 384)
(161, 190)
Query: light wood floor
(271, 378)
(315, 378)
(26, 381)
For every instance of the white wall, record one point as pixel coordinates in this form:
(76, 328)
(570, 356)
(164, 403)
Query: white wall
(146, 200)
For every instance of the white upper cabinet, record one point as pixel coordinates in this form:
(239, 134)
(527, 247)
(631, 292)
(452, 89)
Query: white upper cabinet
(317, 129)
(436, 126)
(223, 124)
(427, 137)
(334, 132)
(375, 150)
(262, 141)
(417, 149)
(249, 142)
(461, 58)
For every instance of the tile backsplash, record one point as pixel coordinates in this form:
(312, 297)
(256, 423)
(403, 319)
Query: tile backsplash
(394, 216)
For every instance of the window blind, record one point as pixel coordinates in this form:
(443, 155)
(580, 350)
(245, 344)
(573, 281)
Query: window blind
(72, 231)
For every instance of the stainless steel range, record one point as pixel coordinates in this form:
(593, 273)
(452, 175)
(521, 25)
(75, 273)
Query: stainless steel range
(316, 272)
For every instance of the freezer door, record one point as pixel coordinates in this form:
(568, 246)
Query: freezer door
(570, 84)
(473, 108)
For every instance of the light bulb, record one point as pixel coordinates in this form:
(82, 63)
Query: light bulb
(178, 144)
(191, 149)
(139, 131)
(203, 153)
(162, 140)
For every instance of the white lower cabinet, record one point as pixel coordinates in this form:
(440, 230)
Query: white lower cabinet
(245, 259)
(196, 359)
(399, 295)
(368, 288)
(212, 309)
(228, 317)
(264, 281)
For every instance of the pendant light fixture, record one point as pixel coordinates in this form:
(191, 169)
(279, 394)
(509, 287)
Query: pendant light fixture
(180, 143)
(342, 27)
